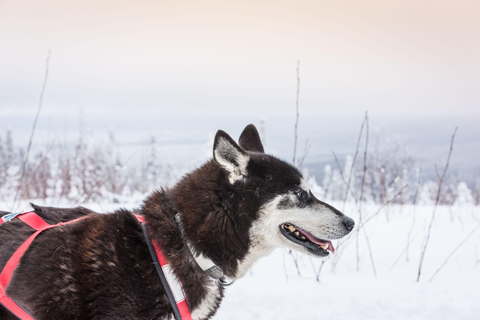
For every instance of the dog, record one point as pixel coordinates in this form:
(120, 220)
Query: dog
(231, 211)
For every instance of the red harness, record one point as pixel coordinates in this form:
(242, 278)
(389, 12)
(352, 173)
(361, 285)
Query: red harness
(169, 281)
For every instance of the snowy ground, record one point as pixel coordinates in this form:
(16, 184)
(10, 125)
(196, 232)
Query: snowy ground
(274, 290)
(345, 293)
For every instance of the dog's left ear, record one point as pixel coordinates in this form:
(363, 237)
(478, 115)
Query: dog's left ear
(250, 139)
(230, 156)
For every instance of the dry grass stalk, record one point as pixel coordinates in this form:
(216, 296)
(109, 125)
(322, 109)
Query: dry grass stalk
(297, 106)
(437, 199)
(454, 250)
(353, 161)
(32, 134)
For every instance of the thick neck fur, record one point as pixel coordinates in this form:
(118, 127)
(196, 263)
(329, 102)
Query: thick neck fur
(211, 213)
(203, 294)
(215, 221)
(214, 215)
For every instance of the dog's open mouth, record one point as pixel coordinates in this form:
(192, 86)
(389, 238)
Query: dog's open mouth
(313, 244)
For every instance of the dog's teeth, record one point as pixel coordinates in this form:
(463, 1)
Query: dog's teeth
(297, 233)
(303, 237)
(292, 229)
(324, 246)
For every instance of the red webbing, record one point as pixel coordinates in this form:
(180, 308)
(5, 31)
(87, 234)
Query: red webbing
(182, 305)
(184, 310)
(14, 308)
(37, 223)
(160, 256)
(6, 275)
(34, 221)
(140, 219)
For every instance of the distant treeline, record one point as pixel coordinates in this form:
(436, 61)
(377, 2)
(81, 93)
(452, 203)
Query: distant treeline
(92, 171)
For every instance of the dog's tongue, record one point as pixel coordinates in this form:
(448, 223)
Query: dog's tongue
(318, 241)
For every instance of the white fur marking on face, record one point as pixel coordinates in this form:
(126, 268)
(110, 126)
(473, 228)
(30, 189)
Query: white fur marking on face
(265, 234)
(237, 172)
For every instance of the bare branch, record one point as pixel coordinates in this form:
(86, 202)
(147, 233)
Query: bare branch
(284, 265)
(370, 252)
(320, 269)
(364, 173)
(401, 254)
(436, 172)
(353, 161)
(295, 260)
(343, 177)
(297, 113)
(437, 199)
(27, 154)
(364, 165)
(415, 196)
(382, 206)
(346, 240)
(304, 155)
(454, 250)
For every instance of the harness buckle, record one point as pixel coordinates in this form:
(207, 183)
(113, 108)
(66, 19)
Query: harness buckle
(225, 281)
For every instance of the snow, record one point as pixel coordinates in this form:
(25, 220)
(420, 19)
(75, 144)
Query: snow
(265, 292)
(348, 296)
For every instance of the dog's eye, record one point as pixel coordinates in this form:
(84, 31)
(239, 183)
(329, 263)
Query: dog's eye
(301, 195)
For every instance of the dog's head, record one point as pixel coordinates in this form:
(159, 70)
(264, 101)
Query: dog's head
(285, 212)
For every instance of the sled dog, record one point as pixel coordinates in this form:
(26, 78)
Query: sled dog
(211, 227)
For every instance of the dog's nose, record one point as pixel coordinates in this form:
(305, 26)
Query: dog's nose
(348, 223)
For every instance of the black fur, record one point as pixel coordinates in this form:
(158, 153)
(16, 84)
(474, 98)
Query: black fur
(100, 268)
(250, 139)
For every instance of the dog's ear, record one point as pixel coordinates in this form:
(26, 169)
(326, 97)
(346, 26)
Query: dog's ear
(230, 156)
(250, 139)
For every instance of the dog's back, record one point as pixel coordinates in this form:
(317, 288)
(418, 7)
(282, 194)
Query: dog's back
(13, 233)
(90, 255)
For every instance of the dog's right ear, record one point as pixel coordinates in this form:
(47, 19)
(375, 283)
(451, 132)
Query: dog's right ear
(250, 139)
(230, 156)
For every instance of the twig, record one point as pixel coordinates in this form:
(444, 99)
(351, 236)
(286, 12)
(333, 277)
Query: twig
(436, 172)
(454, 250)
(343, 178)
(284, 265)
(25, 160)
(297, 109)
(346, 240)
(312, 264)
(364, 167)
(320, 270)
(401, 254)
(353, 161)
(382, 206)
(415, 197)
(437, 199)
(361, 197)
(370, 252)
(304, 155)
(297, 113)
(295, 261)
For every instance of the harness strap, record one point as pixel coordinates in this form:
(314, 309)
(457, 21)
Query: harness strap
(38, 224)
(171, 285)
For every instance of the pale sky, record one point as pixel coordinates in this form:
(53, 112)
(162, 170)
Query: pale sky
(408, 56)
